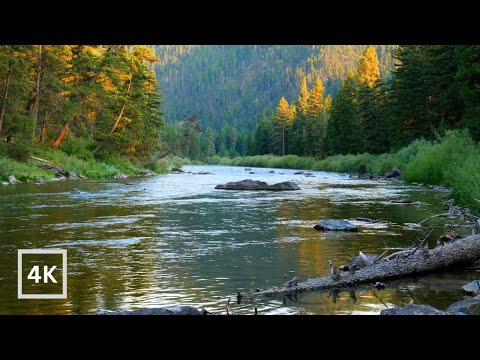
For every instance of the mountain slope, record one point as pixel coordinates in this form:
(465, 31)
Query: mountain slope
(234, 83)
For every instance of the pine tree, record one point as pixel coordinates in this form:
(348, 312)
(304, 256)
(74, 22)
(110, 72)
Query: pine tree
(342, 136)
(368, 70)
(316, 99)
(302, 100)
(284, 115)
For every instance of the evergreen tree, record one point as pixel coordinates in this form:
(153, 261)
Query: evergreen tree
(342, 135)
(316, 104)
(284, 115)
(368, 70)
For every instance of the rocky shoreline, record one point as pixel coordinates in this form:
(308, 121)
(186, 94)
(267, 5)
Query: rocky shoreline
(61, 174)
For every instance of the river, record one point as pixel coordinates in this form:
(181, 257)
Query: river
(173, 239)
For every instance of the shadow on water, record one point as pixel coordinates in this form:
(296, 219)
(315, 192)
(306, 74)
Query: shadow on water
(173, 239)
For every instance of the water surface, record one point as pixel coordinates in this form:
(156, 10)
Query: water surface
(174, 239)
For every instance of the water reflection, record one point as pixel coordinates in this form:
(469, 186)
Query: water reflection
(173, 239)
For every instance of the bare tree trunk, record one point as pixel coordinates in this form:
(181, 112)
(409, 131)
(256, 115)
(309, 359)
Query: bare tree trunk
(64, 131)
(119, 117)
(5, 96)
(92, 81)
(460, 251)
(37, 86)
(43, 131)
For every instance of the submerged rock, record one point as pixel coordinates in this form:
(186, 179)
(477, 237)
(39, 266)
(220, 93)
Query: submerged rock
(335, 225)
(465, 307)
(401, 201)
(249, 184)
(170, 310)
(413, 310)
(472, 287)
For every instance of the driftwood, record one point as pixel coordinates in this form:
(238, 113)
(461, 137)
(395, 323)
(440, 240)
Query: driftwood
(412, 262)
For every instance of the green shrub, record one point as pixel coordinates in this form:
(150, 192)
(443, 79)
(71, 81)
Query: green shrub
(19, 150)
(79, 147)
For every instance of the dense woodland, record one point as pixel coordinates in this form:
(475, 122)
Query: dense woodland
(86, 100)
(234, 84)
(433, 88)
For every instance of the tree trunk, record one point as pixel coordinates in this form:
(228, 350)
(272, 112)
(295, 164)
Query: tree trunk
(64, 131)
(43, 131)
(283, 140)
(92, 81)
(464, 250)
(119, 117)
(5, 95)
(37, 86)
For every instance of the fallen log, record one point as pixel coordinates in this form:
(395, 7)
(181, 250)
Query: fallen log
(464, 250)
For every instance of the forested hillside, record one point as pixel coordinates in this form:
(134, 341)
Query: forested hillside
(233, 84)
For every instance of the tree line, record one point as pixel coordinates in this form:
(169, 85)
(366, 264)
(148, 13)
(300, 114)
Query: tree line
(433, 88)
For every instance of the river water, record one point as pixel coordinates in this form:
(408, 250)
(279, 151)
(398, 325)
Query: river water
(173, 239)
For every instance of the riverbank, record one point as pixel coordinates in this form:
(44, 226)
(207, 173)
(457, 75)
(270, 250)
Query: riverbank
(452, 161)
(51, 165)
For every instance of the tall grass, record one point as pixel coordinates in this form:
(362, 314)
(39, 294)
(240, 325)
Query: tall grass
(453, 161)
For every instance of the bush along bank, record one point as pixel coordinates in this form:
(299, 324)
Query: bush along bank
(452, 161)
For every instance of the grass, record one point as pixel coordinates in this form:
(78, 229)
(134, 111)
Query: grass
(453, 161)
(82, 164)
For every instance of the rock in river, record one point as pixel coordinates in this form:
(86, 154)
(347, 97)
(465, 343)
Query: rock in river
(465, 307)
(12, 180)
(472, 287)
(413, 310)
(335, 225)
(249, 184)
(392, 173)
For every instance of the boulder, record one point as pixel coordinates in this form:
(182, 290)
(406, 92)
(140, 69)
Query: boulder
(50, 168)
(251, 173)
(147, 172)
(71, 175)
(249, 184)
(5, 183)
(335, 225)
(247, 169)
(465, 307)
(413, 309)
(120, 176)
(60, 176)
(392, 173)
(170, 310)
(271, 172)
(298, 173)
(12, 180)
(472, 287)
(39, 180)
